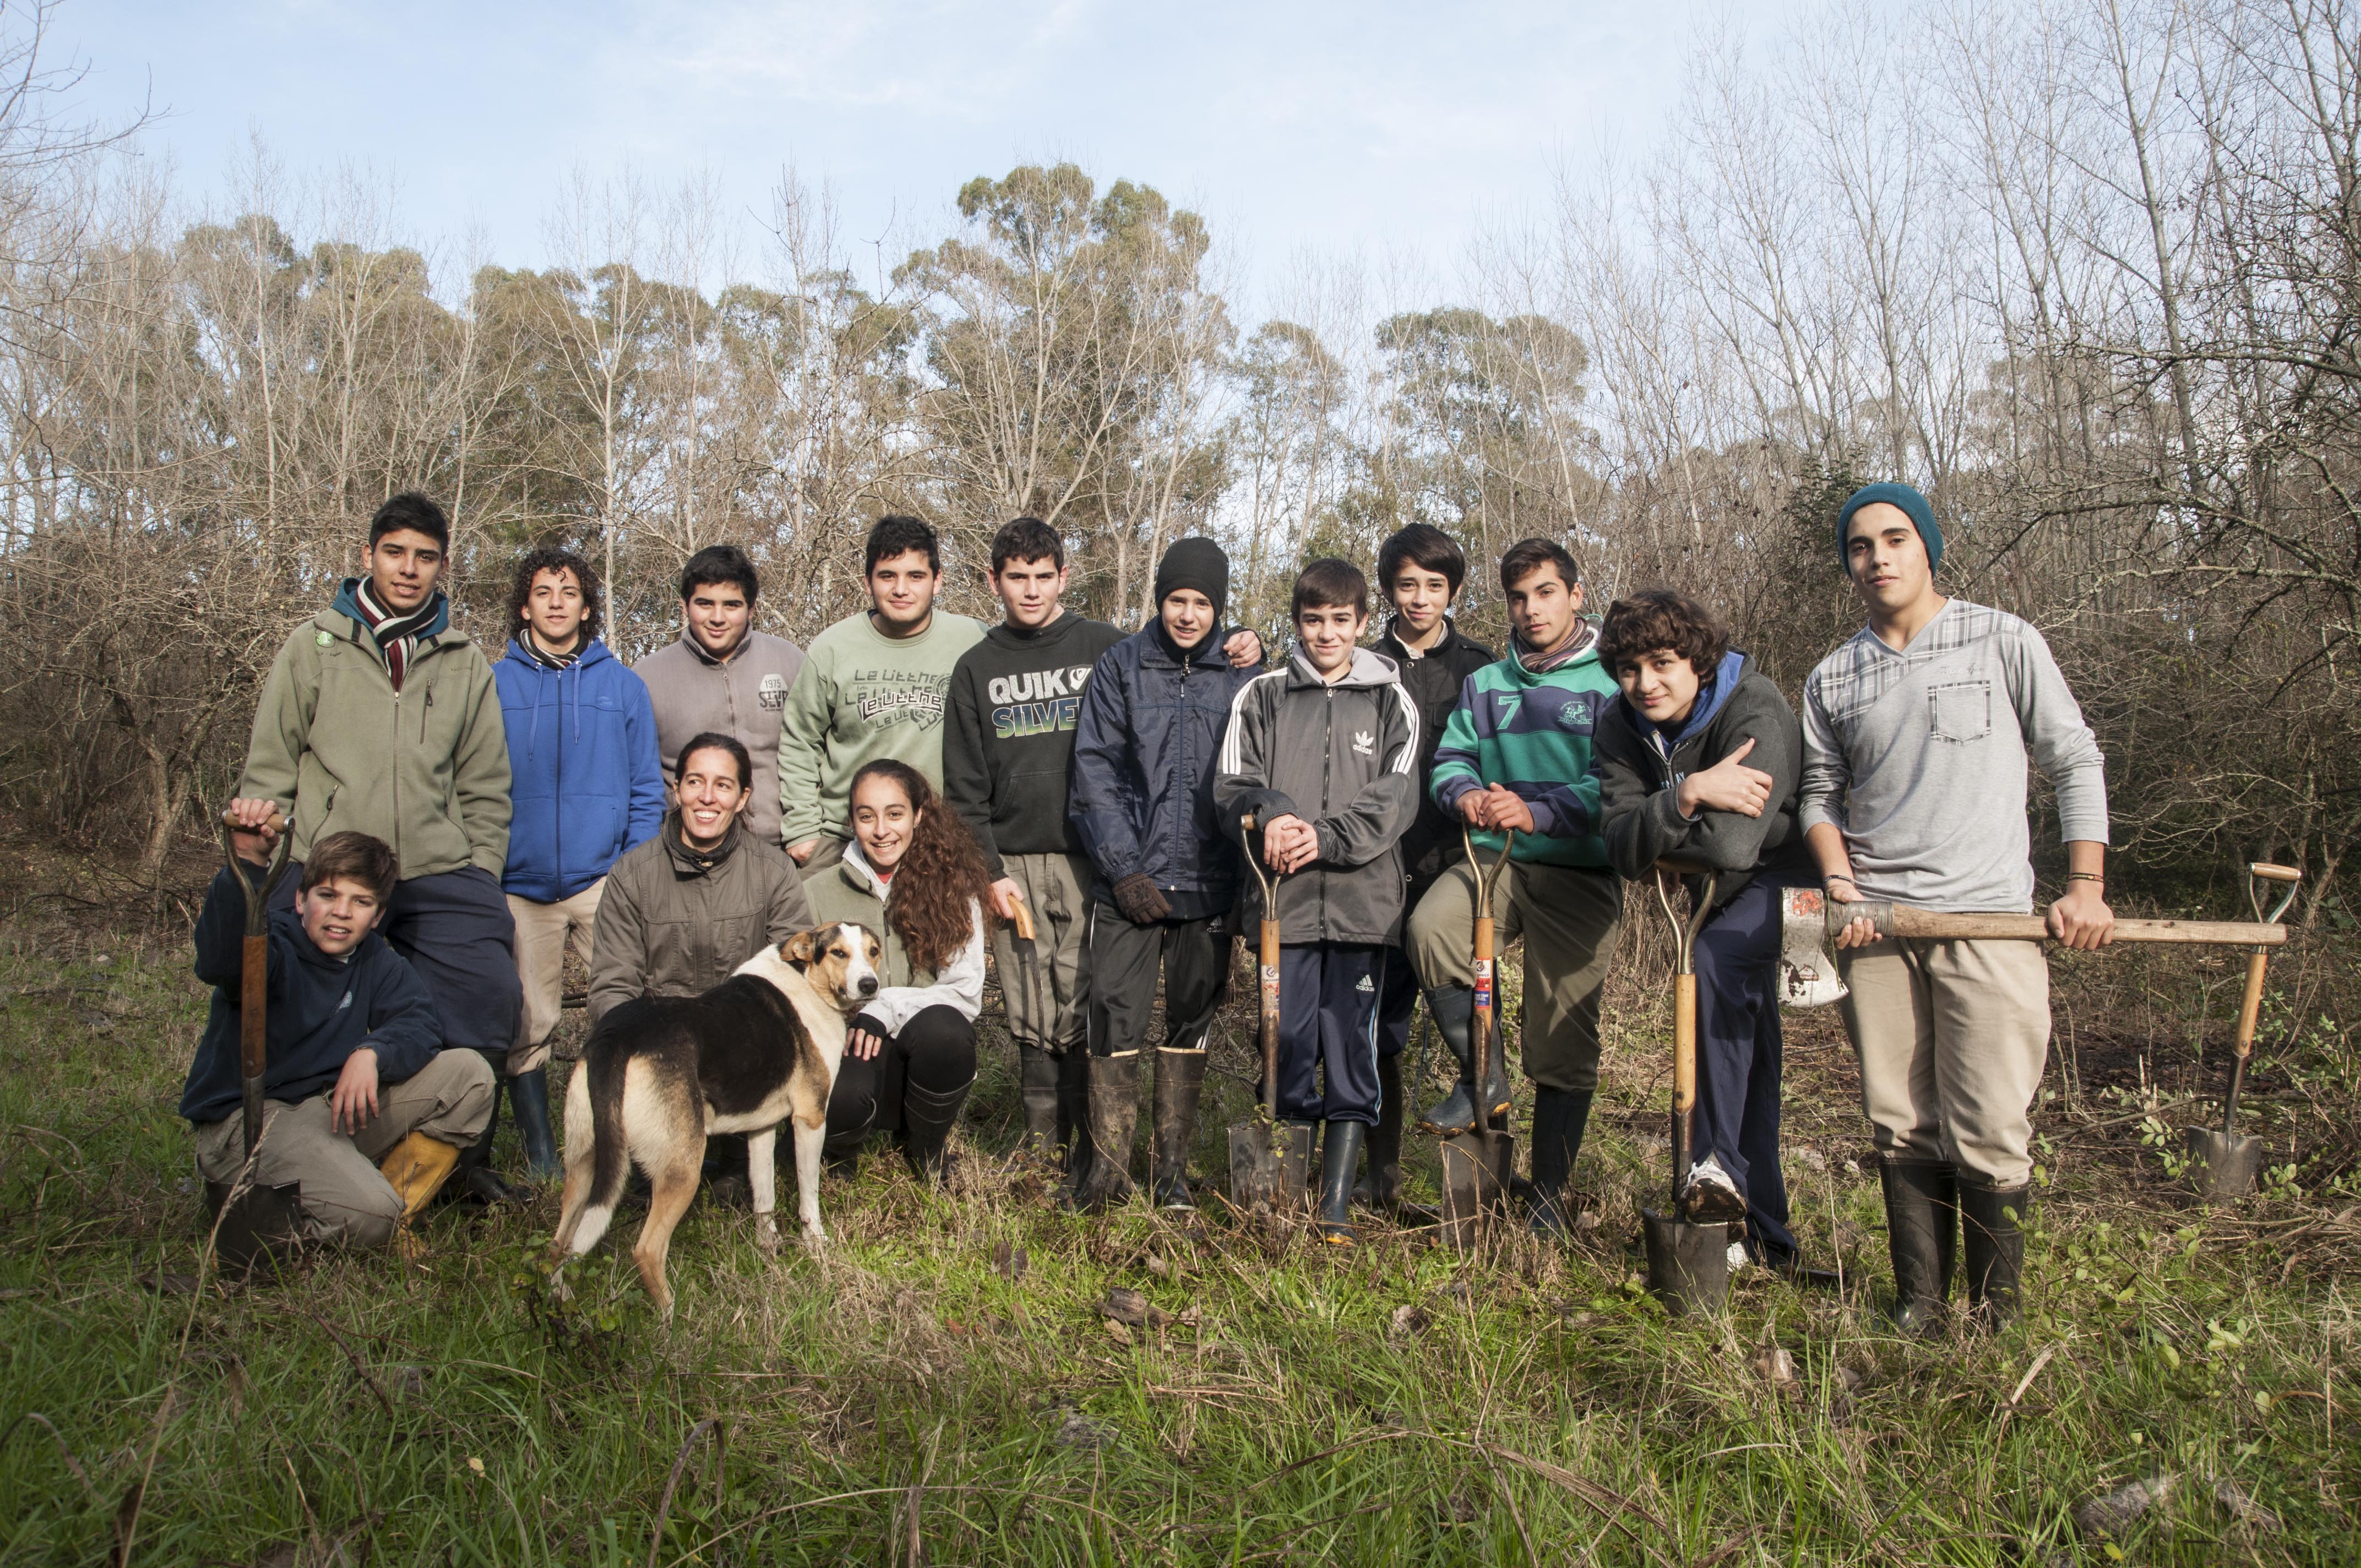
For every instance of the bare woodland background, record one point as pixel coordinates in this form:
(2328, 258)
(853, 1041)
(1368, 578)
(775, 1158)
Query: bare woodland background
(2089, 272)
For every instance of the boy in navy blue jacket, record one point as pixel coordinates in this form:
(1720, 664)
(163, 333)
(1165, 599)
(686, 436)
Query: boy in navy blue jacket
(1142, 803)
(362, 1107)
(587, 788)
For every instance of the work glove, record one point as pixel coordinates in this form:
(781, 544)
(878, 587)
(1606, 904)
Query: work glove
(1137, 896)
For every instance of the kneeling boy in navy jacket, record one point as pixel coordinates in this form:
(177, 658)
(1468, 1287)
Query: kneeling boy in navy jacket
(1698, 763)
(362, 1106)
(1324, 754)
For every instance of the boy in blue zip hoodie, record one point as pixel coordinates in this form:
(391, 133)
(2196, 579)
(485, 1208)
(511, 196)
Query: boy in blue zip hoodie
(587, 787)
(1698, 762)
(1324, 755)
(1146, 748)
(1516, 756)
(361, 1107)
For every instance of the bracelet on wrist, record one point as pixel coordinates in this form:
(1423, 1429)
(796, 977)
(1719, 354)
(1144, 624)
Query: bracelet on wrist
(2086, 876)
(1836, 876)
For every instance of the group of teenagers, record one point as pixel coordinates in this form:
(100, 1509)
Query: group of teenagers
(455, 823)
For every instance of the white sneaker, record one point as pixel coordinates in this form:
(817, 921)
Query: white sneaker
(1710, 1194)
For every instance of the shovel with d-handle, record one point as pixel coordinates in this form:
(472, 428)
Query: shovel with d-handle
(1476, 1163)
(252, 1221)
(1270, 1161)
(2221, 1166)
(1688, 1265)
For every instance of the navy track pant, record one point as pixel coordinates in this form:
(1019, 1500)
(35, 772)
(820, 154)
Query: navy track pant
(1328, 1032)
(1738, 1053)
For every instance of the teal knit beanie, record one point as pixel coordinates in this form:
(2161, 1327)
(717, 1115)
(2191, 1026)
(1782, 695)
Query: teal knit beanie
(1913, 504)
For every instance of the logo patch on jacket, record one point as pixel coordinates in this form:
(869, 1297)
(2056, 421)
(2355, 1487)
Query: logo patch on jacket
(1364, 743)
(772, 694)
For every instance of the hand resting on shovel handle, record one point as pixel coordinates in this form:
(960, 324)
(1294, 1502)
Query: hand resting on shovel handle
(1290, 844)
(1495, 810)
(2080, 918)
(254, 827)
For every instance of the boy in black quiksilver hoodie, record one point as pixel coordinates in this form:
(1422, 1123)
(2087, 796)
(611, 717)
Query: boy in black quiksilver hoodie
(1699, 761)
(1015, 699)
(1324, 755)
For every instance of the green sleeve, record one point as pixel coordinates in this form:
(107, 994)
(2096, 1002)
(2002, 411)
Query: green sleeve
(803, 743)
(282, 723)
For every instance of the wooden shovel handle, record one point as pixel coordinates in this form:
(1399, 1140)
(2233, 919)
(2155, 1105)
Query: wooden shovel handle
(1021, 918)
(278, 823)
(1684, 1022)
(2268, 871)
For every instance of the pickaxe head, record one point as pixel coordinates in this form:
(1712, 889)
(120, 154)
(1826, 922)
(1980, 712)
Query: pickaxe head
(1807, 971)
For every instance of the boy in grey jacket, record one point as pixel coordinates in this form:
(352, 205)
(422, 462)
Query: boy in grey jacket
(1917, 733)
(1324, 755)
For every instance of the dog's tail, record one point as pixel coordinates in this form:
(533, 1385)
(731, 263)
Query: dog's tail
(606, 1061)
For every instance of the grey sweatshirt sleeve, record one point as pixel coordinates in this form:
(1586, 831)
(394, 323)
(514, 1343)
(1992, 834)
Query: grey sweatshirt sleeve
(2059, 742)
(1821, 789)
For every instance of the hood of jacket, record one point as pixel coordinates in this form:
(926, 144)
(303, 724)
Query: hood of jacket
(1367, 669)
(1711, 698)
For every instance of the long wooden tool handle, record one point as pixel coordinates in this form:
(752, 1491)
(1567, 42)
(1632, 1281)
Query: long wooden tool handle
(1684, 1016)
(1269, 965)
(1934, 926)
(1485, 1004)
(253, 1037)
(2249, 1010)
(278, 823)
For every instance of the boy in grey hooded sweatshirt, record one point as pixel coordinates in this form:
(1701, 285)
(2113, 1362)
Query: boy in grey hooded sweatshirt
(1324, 755)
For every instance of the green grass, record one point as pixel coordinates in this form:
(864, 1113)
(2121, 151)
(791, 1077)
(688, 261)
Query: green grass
(902, 1399)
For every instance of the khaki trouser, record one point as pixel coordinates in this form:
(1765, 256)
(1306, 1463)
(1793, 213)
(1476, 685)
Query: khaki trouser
(541, 930)
(1057, 891)
(1569, 919)
(1952, 1038)
(344, 1198)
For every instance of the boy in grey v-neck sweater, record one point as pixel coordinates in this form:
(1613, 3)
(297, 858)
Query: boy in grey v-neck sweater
(1918, 757)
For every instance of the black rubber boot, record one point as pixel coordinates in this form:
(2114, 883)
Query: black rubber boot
(1036, 1088)
(1560, 1116)
(1114, 1112)
(927, 1117)
(529, 1098)
(1340, 1155)
(1453, 1008)
(1921, 1218)
(1382, 1186)
(474, 1179)
(1989, 1219)
(1180, 1080)
(1074, 1114)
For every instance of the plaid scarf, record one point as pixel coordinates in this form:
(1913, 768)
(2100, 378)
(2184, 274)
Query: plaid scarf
(544, 658)
(397, 636)
(1576, 644)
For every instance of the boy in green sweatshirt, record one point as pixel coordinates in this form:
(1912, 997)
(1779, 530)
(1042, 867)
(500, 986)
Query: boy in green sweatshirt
(873, 686)
(1517, 756)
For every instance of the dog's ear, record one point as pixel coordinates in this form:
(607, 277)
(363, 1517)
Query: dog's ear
(797, 950)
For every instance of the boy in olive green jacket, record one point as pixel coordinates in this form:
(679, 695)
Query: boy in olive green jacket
(376, 718)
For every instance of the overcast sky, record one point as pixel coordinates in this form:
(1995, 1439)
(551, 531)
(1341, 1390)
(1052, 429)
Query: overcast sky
(1392, 131)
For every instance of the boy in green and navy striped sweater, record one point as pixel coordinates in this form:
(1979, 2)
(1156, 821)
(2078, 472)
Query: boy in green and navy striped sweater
(1516, 756)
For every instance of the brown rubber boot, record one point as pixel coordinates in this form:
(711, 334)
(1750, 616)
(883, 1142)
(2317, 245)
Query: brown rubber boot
(1114, 1114)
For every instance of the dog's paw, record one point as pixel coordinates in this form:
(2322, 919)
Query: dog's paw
(559, 1291)
(767, 1238)
(815, 1237)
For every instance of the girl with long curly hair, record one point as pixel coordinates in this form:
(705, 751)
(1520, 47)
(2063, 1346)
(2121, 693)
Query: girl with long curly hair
(911, 873)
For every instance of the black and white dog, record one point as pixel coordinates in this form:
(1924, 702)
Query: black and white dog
(658, 1074)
